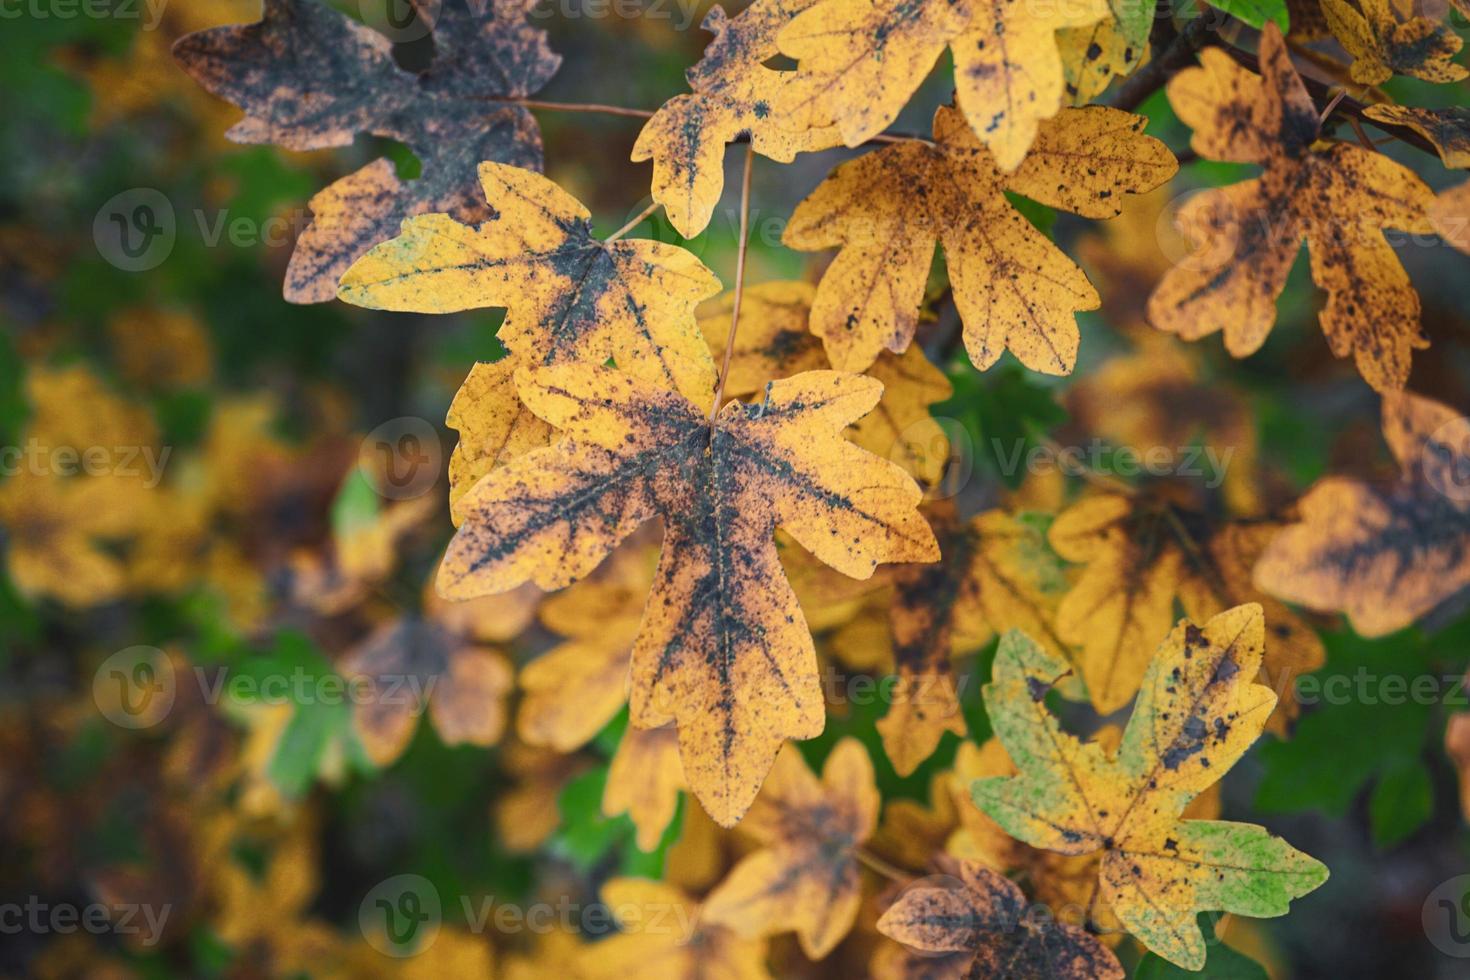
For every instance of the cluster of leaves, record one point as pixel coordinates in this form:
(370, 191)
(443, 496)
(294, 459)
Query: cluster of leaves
(676, 511)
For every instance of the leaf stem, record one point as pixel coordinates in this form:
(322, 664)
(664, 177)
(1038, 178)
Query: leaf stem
(882, 867)
(597, 107)
(652, 207)
(618, 110)
(739, 286)
(1103, 481)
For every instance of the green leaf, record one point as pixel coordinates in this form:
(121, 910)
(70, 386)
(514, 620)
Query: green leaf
(356, 506)
(1224, 963)
(1361, 714)
(1009, 411)
(1402, 802)
(585, 834)
(1256, 12)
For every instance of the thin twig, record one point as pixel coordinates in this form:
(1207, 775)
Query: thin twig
(598, 108)
(632, 224)
(1362, 135)
(889, 871)
(1327, 112)
(1103, 481)
(1174, 51)
(739, 286)
(1347, 105)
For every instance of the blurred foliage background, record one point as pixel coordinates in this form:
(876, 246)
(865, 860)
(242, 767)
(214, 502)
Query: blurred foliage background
(263, 550)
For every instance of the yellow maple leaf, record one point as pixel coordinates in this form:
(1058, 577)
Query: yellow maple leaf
(733, 93)
(1385, 555)
(995, 574)
(568, 297)
(663, 934)
(1338, 197)
(1014, 289)
(1140, 554)
(774, 340)
(574, 689)
(1197, 713)
(407, 667)
(1385, 41)
(723, 647)
(644, 779)
(1448, 129)
(806, 877)
(860, 60)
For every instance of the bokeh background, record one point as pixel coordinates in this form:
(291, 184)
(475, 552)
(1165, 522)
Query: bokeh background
(262, 543)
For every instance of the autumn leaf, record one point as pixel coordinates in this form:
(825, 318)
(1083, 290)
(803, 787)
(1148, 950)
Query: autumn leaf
(733, 93)
(985, 927)
(309, 77)
(1457, 747)
(407, 666)
(773, 340)
(806, 877)
(1448, 129)
(568, 296)
(644, 780)
(1197, 713)
(723, 647)
(1384, 44)
(1094, 54)
(663, 933)
(995, 574)
(1013, 288)
(1139, 554)
(859, 61)
(526, 812)
(1385, 555)
(1337, 197)
(1159, 402)
(492, 425)
(1066, 884)
(1450, 214)
(574, 689)
(1123, 602)
(1217, 575)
